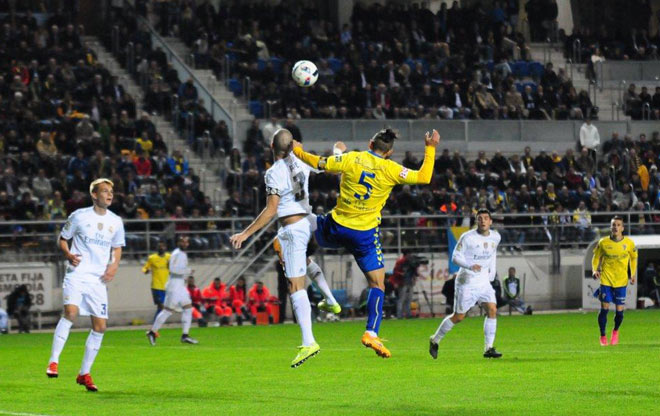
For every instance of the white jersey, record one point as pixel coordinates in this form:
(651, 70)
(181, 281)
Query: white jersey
(473, 248)
(289, 179)
(179, 264)
(94, 236)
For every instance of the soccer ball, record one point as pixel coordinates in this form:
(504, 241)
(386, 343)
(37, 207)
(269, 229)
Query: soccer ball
(305, 73)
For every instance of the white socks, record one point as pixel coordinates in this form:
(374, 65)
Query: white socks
(91, 349)
(59, 339)
(303, 311)
(445, 326)
(161, 318)
(186, 319)
(315, 273)
(490, 327)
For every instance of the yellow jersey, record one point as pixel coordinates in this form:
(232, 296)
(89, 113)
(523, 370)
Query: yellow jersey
(612, 258)
(160, 271)
(366, 182)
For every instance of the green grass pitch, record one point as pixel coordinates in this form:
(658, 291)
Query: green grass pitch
(552, 365)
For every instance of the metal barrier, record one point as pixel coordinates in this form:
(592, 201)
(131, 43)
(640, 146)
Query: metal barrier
(632, 71)
(32, 240)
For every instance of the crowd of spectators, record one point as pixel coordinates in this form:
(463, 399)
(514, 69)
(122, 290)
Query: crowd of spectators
(66, 120)
(392, 61)
(554, 187)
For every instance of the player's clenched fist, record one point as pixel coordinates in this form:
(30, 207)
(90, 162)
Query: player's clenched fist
(74, 259)
(237, 240)
(432, 139)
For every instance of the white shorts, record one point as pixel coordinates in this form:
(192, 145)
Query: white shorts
(294, 239)
(91, 298)
(176, 294)
(465, 297)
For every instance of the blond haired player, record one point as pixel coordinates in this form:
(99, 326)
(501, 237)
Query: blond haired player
(612, 257)
(97, 238)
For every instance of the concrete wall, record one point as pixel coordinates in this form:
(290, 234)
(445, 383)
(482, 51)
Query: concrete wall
(130, 296)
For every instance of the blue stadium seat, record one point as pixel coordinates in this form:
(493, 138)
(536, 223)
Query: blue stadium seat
(277, 64)
(256, 108)
(236, 87)
(520, 69)
(261, 64)
(536, 69)
(335, 64)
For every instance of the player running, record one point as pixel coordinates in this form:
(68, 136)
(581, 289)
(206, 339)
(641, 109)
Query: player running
(366, 182)
(288, 198)
(176, 294)
(612, 257)
(158, 264)
(97, 238)
(475, 253)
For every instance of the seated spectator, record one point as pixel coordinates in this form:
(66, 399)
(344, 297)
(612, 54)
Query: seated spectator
(238, 299)
(197, 301)
(512, 293)
(18, 306)
(260, 300)
(215, 300)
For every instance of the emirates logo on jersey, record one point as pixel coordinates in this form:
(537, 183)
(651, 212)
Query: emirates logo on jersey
(99, 226)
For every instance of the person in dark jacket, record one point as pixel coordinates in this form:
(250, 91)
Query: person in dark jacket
(18, 306)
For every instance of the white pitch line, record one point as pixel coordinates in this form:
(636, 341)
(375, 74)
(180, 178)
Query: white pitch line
(6, 412)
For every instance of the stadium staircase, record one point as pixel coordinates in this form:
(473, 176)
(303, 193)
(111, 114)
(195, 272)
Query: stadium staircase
(604, 100)
(211, 184)
(237, 106)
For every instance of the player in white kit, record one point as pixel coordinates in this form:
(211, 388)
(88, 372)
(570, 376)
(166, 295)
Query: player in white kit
(97, 237)
(288, 198)
(176, 294)
(475, 253)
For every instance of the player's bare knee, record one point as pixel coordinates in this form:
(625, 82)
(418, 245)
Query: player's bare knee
(99, 325)
(457, 317)
(296, 284)
(70, 312)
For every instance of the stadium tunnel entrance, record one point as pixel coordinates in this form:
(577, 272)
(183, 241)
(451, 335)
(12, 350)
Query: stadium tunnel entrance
(648, 247)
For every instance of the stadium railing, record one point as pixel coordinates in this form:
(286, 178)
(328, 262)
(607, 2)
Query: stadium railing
(610, 73)
(36, 240)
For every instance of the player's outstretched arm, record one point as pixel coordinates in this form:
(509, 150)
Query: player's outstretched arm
(633, 264)
(425, 173)
(264, 218)
(308, 158)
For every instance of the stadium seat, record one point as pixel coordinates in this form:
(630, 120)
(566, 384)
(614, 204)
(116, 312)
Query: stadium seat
(277, 63)
(235, 86)
(536, 69)
(335, 64)
(261, 64)
(256, 108)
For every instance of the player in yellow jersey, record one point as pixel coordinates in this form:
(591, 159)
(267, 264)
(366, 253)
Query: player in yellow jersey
(612, 257)
(158, 264)
(366, 182)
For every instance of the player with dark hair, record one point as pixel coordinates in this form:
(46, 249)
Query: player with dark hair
(366, 182)
(612, 257)
(476, 254)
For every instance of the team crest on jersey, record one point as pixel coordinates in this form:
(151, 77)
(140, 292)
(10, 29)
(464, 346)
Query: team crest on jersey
(624, 246)
(99, 226)
(110, 229)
